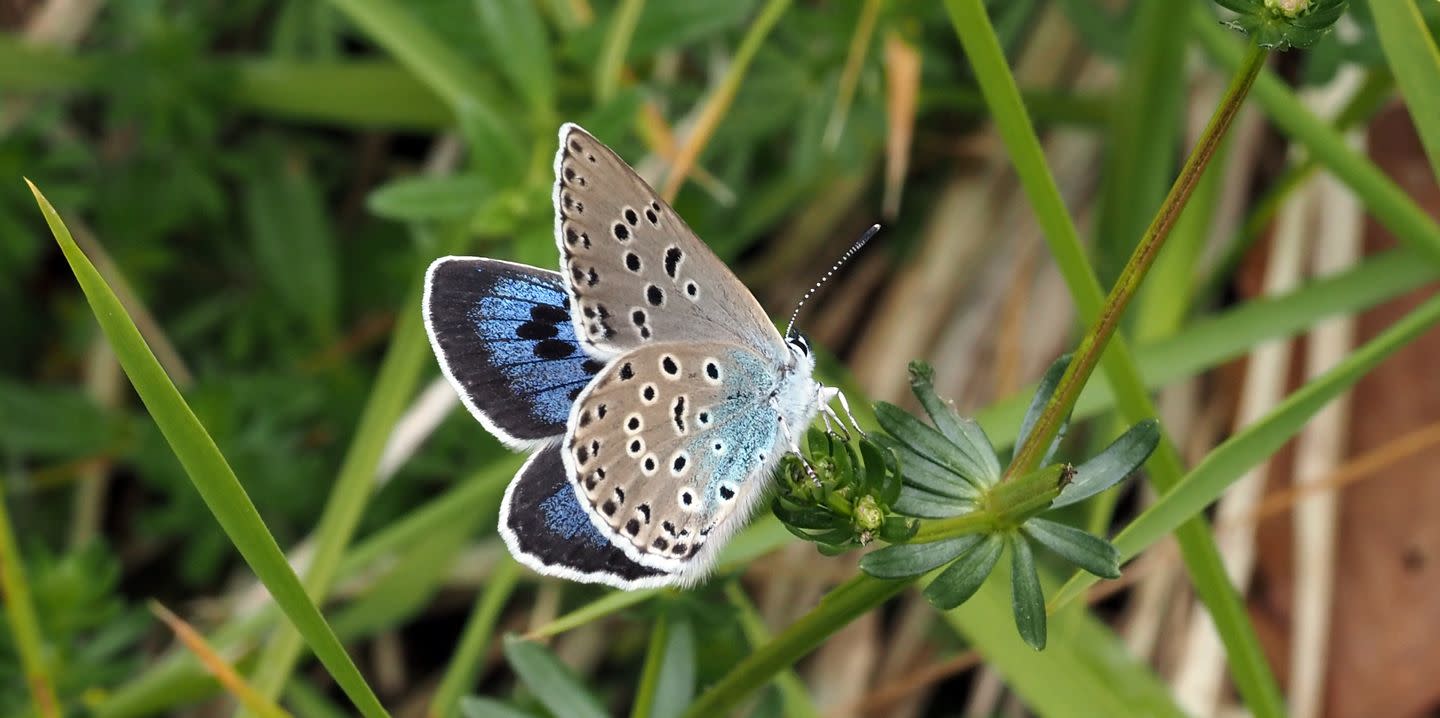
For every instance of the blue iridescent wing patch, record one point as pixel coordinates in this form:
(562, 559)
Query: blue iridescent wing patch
(505, 341)
(546, 528)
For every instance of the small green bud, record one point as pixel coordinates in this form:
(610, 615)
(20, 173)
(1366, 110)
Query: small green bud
(1288, 8)
(868, 514)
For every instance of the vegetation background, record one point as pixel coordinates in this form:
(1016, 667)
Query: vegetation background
(262, 183)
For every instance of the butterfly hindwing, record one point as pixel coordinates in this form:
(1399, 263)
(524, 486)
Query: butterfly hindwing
(546, 528)
(503, 336)
(635, 272)
(669, 447)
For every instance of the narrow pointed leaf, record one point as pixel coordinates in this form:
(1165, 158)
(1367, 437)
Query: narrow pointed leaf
(912, 559)
(207, 469)
(965, 434)
(1026, 598)
(964, 577)
(1120, 459)
(924, 504)
(674, 685)
(1043, 392)
(1080, 548)
(550, 681)
(918, 470)
(929, 443)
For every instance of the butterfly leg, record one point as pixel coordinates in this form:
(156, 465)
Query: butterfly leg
(795, 448)
(829, 394)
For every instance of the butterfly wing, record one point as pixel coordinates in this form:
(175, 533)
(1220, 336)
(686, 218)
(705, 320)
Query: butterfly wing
(504, 340)
(547, 529)
(669, 448)
(634, 271)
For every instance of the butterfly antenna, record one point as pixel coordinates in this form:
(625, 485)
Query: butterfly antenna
(830, 272)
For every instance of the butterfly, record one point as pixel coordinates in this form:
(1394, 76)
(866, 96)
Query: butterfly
(655, 392)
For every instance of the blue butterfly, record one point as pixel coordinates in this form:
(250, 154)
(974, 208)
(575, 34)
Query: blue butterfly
(654, 390)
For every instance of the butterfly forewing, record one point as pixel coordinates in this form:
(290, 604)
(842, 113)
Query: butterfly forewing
(636, 273)
(669, 447)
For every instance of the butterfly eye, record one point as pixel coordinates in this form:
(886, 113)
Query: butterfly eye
(798, 341)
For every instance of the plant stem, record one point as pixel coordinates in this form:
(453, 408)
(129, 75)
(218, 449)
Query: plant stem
(24, 626)
(932, 530)
(1087, 355)
(848, 601)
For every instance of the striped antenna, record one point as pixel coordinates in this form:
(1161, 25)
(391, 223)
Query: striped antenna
(833, 268)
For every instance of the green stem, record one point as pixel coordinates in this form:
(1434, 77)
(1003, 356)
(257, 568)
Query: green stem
(1087, 355)
(847, 602)
(464, 667)
(793, 695)
(24, 626)
(932, 530)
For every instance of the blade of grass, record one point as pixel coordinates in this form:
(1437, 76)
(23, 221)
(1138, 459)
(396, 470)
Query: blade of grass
(1085, 663)
(793, 694)
(422, 52)
(850, 76)
(1247, 662)
(839, 607)
(399, 373)
(464, 666)
(217, 665)
(24, 626)
(617, 44)
(1382, 197)
(667, 680)
(717, 103)
(209, 471)
(178, 677)
(1411, 50)
(1255, 444)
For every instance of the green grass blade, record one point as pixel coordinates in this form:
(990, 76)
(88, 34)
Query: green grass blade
(550, 681)
(1085, 670)
(209, 471)
(1415, 60)
(24, 625)
(667, 681)
(464, 667)
(793, 694)
(1256, 443)
(617, 44)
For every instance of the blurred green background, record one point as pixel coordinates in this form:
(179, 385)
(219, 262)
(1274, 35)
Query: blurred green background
(263, 183)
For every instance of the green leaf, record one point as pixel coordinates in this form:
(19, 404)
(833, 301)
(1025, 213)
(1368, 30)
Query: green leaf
(1080, 548)
(424, 198)
(1027, 601)
(912, 559)
(1043, 392)
(965, 434)
(550, 681)
(471, 707)
(1415, 60)
(208, 470)
(1088, 665)
(53, 421)
(290, 236)
(1120, 459)
(1275, 28)
(960, 581)
(918, 470)
(668, 682)
(927, 505)
(932, 445)
(519, 46)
